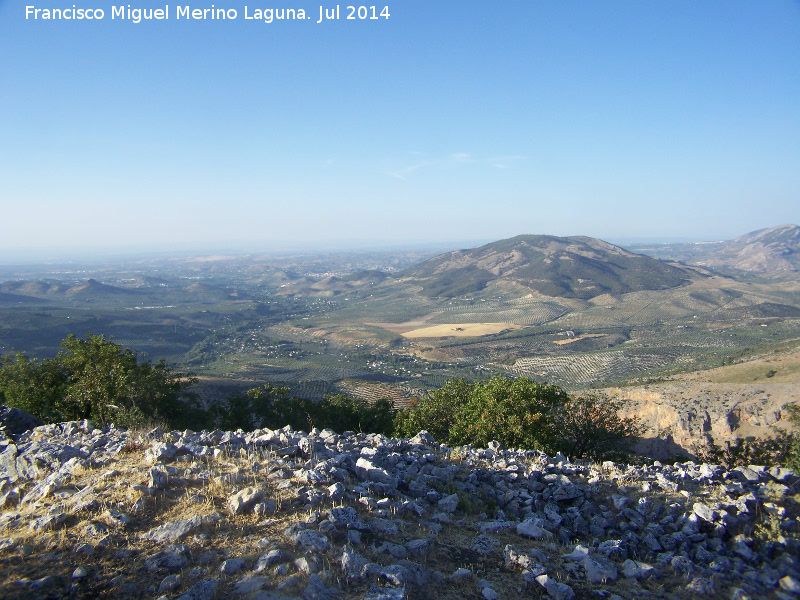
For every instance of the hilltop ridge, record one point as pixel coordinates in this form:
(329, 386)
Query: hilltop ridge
(771, 251)
(567, 267)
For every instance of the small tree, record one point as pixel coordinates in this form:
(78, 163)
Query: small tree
(515, 412)
(435, 413)
(263, 406)
(590, 427)
(95, 379)
(105, 380)
(521, 413)
(33, 386)
(270, 406)
(341, 412)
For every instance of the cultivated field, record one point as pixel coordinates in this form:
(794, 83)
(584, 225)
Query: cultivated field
(327, 324)
(460, 330)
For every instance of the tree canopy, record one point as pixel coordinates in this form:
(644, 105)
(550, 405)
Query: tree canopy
(521, 413)
(96, 379)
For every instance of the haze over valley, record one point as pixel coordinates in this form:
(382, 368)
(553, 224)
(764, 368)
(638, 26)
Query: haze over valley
(578, 312)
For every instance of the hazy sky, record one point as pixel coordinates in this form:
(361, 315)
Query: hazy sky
(450, 120)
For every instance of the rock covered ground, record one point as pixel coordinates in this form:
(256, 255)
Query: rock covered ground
(271, 515)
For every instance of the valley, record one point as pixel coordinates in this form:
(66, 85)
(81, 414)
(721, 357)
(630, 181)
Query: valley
(576, 312)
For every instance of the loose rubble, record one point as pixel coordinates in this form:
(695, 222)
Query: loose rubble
(282, 515)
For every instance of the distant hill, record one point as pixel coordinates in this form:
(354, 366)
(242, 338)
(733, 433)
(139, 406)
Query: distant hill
(772, 251)
(567, 267)
(37, 289)
(93, 289)
(16, 299)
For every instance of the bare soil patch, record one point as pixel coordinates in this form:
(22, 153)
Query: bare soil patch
(459, 330)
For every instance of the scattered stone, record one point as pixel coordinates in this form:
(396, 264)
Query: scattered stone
(461, 575)
(160, 452)
(249, 584)
(448, 504)
(43, 583)
(530, 529)
(231, 566)
(384, 593)
(557, 591)
(158, 477)
(693, 537)
(790, 584)
(174, 530)
(243, 501)
(579, 553)
(396, 550)
(311, 540)
(599, 570)
(346, 517)
(383, 527)
(274, 557)
(169, 583)
(317, 589)
(47, 522)
(366, 470)
(489, 593)
(701, 586)
(170, 561)
(15, 421)
(704, 512)
(202, 590)
(636, 570)
(485, 544)
(308, 564)
(265, 508)
(420, 548)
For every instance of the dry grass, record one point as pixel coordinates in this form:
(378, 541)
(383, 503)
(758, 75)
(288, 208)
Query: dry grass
(459, 330)
(55, 552)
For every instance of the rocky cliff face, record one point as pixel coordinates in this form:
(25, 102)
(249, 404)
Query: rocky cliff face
(681, 415)
(283, 514)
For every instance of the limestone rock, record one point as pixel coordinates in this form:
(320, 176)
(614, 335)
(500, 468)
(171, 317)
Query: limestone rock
(174, 530)
(556, 590)
(202, 590)
(243, 501)
(15, 421)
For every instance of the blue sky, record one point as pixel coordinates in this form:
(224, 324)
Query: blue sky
(449, 121)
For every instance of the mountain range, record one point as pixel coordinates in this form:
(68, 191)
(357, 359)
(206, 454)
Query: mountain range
(773, 251)
(567, 267)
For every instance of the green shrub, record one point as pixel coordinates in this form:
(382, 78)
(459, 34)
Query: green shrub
(273, 407)
(516, 412)
(436, 413)
(590, 427)
(345, 413)
(31, 385)
(521, 413)
(95, 379)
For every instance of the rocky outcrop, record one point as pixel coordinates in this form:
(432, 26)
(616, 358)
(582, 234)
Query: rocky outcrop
(282, 514)
(679, 416)
(15, 421)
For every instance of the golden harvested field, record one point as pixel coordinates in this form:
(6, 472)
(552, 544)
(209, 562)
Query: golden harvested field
(459, 330)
